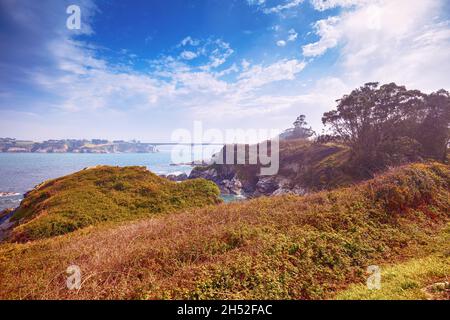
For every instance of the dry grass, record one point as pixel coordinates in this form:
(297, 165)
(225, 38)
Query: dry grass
(287, 247)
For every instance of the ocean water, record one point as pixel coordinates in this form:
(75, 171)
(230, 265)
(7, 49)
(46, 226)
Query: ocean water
(20, 172)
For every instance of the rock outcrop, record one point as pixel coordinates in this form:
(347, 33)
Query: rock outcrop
(229, 182)
(177, 177)
(303, 167)
(226, 180)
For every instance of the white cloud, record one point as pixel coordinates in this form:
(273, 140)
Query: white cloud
(87, 84)
(292, 35)
(188, 55)
(189, 41)
(285, 6)
(218, 55)
(329, 36)
(259, 75)
(323, 5)
(245, 64)
(256, 2)
(282, 7)
(402, 41)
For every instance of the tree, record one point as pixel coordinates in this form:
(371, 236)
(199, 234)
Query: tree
(434, 132)
(300, 129)
(389, 125)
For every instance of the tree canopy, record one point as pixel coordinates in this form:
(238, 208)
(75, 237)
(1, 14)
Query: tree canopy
(300, 129)
(388, 125)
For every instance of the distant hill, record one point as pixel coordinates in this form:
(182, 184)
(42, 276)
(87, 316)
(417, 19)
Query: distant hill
(76, 146)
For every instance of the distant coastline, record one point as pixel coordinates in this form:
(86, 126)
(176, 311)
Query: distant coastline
(11, 145)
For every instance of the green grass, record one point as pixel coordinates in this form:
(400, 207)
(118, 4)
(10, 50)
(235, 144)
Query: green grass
(410, 280)
(104, 194)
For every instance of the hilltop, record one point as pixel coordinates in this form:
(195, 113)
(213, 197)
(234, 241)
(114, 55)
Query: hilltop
(283, 247)
(104, 194)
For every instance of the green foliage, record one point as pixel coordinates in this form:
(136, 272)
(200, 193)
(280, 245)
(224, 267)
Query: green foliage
(412, 279)
(390, 125)
(104, 194)
(299, 131)
(309, 248)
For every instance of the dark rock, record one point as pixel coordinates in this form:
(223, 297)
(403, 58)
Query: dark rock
(233, 186)
(226, 178)
(266, 185)
(205, 173)
(175, 177)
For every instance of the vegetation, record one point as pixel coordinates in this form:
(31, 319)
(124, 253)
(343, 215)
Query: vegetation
(390, 125)
(104, 194)
(315, 166)
(420, 278)
(299, 131)
(372, 129)
(311, 166)
(287, 247)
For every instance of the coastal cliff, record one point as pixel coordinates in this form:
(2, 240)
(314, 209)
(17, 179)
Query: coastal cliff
(305, 167)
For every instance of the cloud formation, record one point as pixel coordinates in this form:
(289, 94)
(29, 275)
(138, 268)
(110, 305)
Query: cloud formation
(54, 71)
(402, 41)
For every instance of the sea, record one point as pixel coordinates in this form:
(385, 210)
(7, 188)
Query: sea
(21, 172)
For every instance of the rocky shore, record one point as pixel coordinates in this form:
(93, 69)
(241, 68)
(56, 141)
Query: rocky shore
(227, 179)
(177, 177)
(304, 167)
(230, 184)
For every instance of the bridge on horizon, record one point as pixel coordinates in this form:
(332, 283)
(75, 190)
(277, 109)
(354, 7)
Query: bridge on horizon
(184, 144)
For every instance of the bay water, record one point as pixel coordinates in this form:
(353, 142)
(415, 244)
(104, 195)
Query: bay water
(21, 172)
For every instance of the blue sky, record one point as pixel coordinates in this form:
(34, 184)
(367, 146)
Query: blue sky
(141, 69)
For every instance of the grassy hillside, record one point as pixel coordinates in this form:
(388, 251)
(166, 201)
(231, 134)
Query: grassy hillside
(424, 278)
(290, 247)
(103, 194)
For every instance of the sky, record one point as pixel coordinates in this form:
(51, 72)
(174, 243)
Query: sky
(142, 69)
